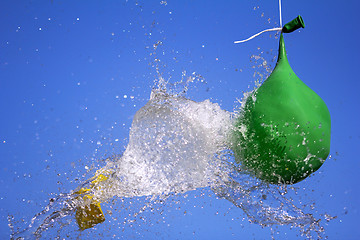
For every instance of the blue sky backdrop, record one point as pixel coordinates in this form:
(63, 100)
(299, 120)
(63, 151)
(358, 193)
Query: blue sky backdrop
(73, 74)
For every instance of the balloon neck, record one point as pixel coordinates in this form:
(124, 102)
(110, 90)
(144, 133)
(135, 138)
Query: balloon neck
(282, 51)
(291, 26)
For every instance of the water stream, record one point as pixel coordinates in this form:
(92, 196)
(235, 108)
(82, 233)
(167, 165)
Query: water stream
(177, 145)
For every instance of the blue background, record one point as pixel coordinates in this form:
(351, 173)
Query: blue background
(66, 66)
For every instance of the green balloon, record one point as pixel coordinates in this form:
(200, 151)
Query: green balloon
(283, 134)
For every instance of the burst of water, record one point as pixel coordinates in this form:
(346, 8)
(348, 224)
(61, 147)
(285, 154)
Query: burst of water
(177, 145)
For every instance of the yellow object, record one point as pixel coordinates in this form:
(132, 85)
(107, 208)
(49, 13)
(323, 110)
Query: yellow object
(90, 213)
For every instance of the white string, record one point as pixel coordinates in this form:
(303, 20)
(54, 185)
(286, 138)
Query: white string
(253, 36)
(280, 13)
(266, 30)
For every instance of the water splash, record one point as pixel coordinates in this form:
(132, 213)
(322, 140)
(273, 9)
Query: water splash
(171, 147)
(59, 208)
(177, 145)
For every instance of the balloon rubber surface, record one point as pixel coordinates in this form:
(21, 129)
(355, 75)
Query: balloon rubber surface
(284, 133)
